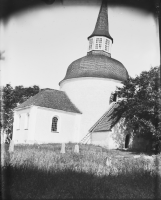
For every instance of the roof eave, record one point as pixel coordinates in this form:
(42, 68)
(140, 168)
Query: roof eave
(101, 131)
(25, 107)
(76, 112)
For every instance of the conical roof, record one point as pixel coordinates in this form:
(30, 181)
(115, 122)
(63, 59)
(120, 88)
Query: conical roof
(102, 28)
(96, 63)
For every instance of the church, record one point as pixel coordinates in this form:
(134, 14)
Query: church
(78, 112)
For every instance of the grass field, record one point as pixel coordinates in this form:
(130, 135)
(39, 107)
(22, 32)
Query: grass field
(42, 172)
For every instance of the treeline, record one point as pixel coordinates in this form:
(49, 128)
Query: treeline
(140, 105)
(10, 99)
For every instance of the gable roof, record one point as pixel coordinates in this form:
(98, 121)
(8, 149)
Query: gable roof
(105, 123)
(50, 98)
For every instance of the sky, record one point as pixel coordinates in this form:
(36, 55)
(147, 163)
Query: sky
(40, 43)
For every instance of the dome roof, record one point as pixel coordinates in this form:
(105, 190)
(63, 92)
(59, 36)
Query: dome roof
(99, 66)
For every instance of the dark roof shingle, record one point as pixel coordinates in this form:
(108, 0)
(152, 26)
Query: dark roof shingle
(102, 28)
(105, 123)
(99, 66)
(51, 98)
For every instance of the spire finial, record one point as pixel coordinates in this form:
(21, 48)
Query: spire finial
(102, 28)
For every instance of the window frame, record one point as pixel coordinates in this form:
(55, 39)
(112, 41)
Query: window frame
(113, 97)
(27, 121)
(57, 124)
(18, 121)
(98, 43)
(90, 44)
(107, 45)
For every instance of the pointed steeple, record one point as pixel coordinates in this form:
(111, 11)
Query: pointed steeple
(98, 62)
(102, 28)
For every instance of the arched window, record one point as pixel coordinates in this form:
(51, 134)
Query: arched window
(113, 97)
(54, 126)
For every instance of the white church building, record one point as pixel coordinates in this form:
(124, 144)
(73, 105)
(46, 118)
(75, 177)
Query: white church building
(79, 111)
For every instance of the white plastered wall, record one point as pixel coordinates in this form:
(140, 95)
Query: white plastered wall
(91, 96)
(107, 139)
(21, 134)
(68, 126)
(39, 129)
(112, 139)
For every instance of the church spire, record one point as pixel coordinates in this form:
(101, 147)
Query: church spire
(100, 41)
(102, 28)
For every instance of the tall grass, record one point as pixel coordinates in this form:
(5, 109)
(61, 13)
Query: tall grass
(41, 171)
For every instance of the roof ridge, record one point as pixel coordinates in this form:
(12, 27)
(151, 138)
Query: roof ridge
(29, 99)
(49, 89)
(54, 99)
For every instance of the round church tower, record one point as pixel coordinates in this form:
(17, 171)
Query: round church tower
(90, 80)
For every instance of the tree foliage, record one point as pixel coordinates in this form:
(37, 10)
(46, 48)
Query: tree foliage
(10, 99)
(140, 104)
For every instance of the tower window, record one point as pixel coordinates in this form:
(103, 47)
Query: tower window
(54, 126)
(98, 43)
(107, 44)
(90, 43)
(113, 97)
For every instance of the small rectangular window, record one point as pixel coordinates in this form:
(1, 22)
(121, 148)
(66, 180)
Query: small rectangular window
(90, 43)
(98, 43)
(107, 44)
(26, 121)
(18, 121)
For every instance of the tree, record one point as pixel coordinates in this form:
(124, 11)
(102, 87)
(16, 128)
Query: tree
(140, 104)
(10, 99)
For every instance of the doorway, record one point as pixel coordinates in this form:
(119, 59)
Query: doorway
(127, 140)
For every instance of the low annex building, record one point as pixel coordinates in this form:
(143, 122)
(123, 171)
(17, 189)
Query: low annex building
(47, 117)
(79, 111)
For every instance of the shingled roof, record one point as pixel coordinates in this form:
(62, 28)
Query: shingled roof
(105, 123)
(51, 98)
(100, 66)
(98, 63)
(102, 28)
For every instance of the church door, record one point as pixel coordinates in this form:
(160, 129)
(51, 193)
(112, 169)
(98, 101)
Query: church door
(127, 139)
